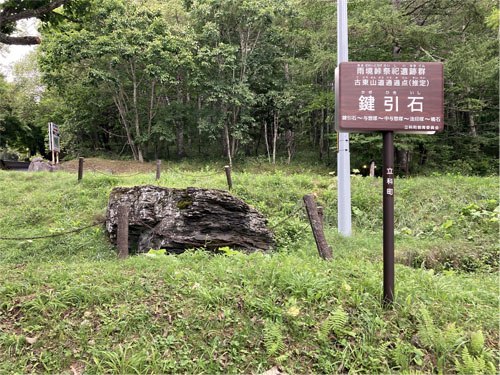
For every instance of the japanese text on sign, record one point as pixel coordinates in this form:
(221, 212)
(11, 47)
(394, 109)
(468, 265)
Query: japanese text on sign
(389, 181)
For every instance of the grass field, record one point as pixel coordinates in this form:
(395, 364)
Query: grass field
(67, 305)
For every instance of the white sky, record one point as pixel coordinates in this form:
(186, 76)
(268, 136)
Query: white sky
(9, 55)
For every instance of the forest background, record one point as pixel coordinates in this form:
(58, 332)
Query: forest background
(237, 79)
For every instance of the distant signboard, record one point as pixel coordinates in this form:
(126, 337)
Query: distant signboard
(54, 137)
(404, 97)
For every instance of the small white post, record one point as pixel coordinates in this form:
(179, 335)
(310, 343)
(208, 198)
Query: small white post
(343, 155)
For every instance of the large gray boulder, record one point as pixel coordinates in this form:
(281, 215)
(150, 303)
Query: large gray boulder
(179, 219)
(40, 165)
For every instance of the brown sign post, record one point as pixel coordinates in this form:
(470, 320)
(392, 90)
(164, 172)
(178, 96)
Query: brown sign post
(388, 97)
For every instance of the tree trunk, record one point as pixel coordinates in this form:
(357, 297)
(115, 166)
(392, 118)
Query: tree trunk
(179, 135)
(228, 144)
(330, 126)
(123, 118)
(290, 144)
(258, 141)
(187, 102)
(450, 109)
(179, 129)
(151, 116)
(407, 162)
(275, 136)
(224, 143)
(473, 129)
(423, 154)
(396, 48)
(136, 111)
(315, 128)
(267, 142)
(403, 162)
(321, 135)
(234, 146)
(234, 141)
(199, 125)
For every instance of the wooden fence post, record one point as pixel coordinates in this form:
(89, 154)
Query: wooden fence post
(320, 214)
(80, 168)
(228, 175)
(122, 232)
(158, 169)
(324, 250)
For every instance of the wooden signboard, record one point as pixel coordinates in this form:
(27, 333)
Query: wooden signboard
(54, 137)
(403, 97)
(54, 144)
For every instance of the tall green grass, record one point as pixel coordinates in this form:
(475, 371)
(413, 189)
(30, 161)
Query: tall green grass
(67, 304)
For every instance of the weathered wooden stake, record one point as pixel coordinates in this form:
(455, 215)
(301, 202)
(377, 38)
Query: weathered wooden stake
(122, 232)
(158, 169)
(320, 214)
(53, 157)
(80, 168)
(57, 157)
(324, 250)
(228, 175)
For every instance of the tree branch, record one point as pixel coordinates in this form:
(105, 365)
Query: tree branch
(71, 19)
(435, 58)
(19, 40)
(410, 12)
(31, 13)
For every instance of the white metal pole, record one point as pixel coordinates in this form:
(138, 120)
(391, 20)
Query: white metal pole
(343, 155)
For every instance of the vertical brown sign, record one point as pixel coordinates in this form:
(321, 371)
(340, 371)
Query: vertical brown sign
(388, 215)
(404, 97)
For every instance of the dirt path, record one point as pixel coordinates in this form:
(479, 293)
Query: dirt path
(109, 166)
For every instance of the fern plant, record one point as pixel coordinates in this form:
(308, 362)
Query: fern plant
(404, 354)
(477, 342)
(335, 322)
(474, 365)
(283, 358)
(273, 338)
(443, 342)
